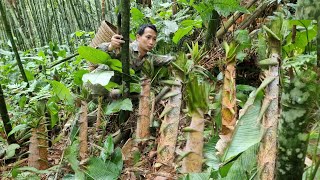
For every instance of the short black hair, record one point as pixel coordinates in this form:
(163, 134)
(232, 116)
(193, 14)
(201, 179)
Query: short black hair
(144, 26)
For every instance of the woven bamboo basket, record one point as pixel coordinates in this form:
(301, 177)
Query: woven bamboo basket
(104, 34)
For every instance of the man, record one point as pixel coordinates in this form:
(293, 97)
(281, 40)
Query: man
(139, 49)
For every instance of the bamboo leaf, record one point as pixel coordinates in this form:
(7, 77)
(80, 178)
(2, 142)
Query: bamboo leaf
(270, 33)
(17, 128)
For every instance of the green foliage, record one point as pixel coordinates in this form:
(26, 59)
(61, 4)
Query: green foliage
(224, 8)
(185, 27)
(71, 154)
(118, 105)
(244, 166)
(212, 160)
(17, 128)
(11, 150)
(305, 36)
(62, 92)
(234, 50)
(198, 92)
(109, 165)
(93, 55)
(196, 176)
(248, 131)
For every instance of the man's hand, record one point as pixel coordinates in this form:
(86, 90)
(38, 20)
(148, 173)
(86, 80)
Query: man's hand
(116, 42)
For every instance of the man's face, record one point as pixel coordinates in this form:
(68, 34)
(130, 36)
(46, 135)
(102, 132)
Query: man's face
(147, 40)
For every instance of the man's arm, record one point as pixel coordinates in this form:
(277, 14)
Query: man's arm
(115, 43)
(162, 60)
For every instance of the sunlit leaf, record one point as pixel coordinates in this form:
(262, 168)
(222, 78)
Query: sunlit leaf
(102, 77)
(180, 33)
(93, 55)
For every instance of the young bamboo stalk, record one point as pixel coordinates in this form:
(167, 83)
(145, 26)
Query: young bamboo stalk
(194, 147)
(268, 147)
(169, 131)
(198, 94)
(83, 132)
(229, 105)
(143, 123)
(99, 112)
(38, 147)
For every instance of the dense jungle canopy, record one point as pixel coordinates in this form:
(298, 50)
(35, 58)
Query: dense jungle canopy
(238, 99)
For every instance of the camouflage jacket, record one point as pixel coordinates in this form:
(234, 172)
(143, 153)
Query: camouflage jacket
(135, 62)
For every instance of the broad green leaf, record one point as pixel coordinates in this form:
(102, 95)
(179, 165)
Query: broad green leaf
(77, 76)
(197, 176)
(248, 131)
(243, 166)
(111, 85)
(79, 33)
(193, 23)
(62, 91)
(29, 74)
(22, 101)
(102, 77)
(17, 128)
(11, 150)
(118, 105)
(117, 158)
(180, 33)
(93, 55)
(54, 113)
(108, 148)
(136, 14)
(212, 160)
(99, 170)
(225, 8)
(135, 87)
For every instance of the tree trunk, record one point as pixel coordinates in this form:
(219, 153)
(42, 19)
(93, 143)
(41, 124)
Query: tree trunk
(143, 123)
(5, 117)
(174, 7)
(14, 47)
(192, 162)
(268, 147)
(169, 131)
(38, 147)
(125, 58)
(103, 9)
(83, 132)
